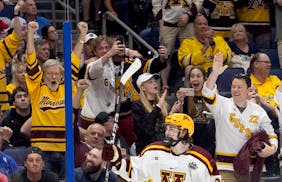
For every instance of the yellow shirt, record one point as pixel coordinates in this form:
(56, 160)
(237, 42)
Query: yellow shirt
(48, 107)
(6, 54)
(268, 88)
(189, 52)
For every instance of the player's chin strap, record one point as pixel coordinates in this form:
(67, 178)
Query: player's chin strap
(168, 141)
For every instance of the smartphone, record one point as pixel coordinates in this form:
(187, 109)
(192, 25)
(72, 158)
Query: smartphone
(120, 39)
(188, 91)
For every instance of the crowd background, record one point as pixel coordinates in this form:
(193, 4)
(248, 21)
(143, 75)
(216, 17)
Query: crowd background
(187, 39)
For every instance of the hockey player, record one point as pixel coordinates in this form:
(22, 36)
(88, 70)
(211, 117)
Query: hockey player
(174, 159)
(236, 120)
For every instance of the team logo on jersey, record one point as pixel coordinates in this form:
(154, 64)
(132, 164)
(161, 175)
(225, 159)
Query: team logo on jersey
(192, 165)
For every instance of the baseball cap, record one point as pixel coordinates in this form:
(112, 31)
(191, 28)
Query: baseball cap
(102, 117)
(33, 150)
(90, 36)
(145, 77)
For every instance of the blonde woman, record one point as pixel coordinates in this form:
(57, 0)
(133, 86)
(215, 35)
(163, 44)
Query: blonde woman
(18, 79)
(149, 111)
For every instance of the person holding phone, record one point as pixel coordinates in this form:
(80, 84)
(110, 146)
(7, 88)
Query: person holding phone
(195, 107)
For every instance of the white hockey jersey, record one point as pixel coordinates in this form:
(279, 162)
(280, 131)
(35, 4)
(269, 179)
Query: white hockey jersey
(157, 163)
(234, 128)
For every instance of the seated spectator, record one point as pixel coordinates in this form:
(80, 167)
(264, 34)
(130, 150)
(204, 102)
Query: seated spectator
(149, 111)
(18, 79)
(93, 168)
(17, 116)
(34, 164)
(260, 76)
(8, 166)
(242, 49)
(194, 106)
(29, 11)
(49, 33)
(200, 49)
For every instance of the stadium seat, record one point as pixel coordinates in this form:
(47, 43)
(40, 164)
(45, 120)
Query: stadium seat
(18, 154)
(273, 55)
(225, 79)
(277, 72)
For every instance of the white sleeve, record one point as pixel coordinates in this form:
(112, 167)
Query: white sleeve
(94, 69)
(278, 98)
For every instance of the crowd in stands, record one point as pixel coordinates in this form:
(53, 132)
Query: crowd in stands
(207, 37)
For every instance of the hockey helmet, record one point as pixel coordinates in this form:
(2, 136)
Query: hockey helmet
(181, 120)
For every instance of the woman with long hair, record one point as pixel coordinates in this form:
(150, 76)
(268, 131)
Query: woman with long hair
(194, 106)
(149, 111)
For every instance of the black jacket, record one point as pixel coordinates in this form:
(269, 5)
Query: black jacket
(147, 126)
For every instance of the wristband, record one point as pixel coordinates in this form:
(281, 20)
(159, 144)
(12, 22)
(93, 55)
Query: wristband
(16, 14)
(81, 41)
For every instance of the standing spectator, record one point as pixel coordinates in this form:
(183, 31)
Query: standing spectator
(34, 164)
(194, 106)
(86, 5)
(149, 111)
(47, 92)
(29, 11)
(200, 49)
(105, 74)
(241, 48)
(17, 116)
(93, 168)
(221, 16)
(8, 48)
(255, 15)
(175, 159)
(122, 9)
(49, 33)
(236, 120)
(278, 14)
(8, 166)
(175, 21)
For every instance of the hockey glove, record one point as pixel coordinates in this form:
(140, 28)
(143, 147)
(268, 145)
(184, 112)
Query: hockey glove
(112, 153)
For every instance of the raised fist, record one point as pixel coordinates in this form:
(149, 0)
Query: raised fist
(18, 6)
(33, 26)
(83, 27)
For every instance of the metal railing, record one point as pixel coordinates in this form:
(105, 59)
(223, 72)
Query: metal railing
(130, 33)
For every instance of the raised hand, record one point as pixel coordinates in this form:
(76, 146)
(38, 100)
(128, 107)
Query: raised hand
(32, 27)
(218, 66)
(83, 84)
(18, 6)
(6, 133)
(162, 99)
(83, 27)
